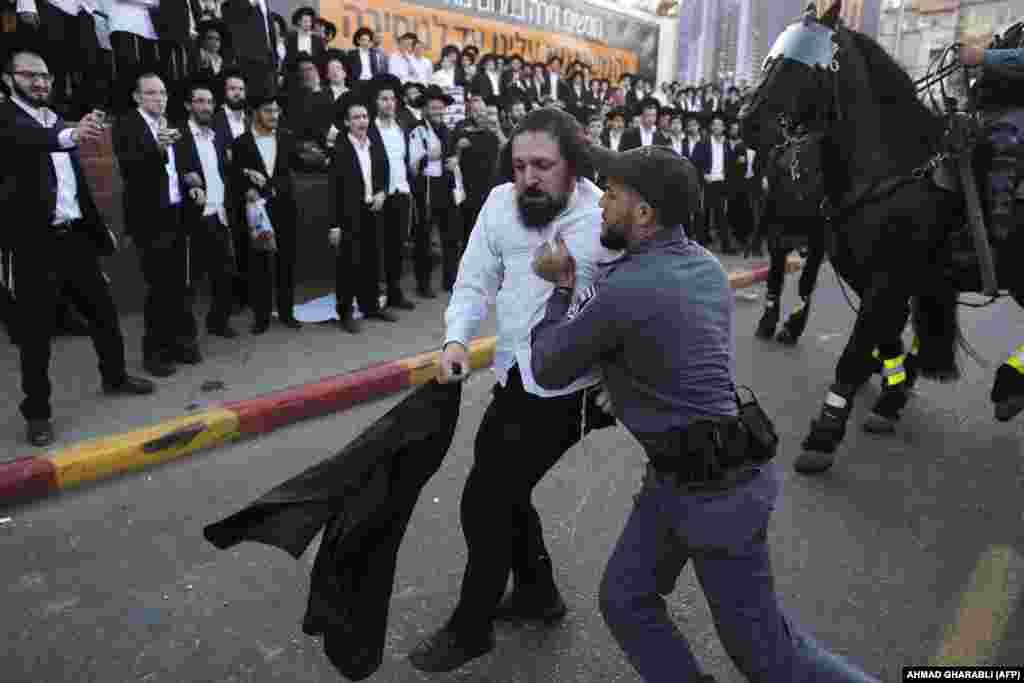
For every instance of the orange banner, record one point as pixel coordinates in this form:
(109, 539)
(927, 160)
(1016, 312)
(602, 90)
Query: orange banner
(438, 27)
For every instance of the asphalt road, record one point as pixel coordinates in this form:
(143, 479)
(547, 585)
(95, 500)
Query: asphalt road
(910, 549)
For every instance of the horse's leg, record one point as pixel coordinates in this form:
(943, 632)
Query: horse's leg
(882, 316)
(1008, 390)
(773, 292)
(796, 323)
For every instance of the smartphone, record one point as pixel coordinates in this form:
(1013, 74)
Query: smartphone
(101, 117)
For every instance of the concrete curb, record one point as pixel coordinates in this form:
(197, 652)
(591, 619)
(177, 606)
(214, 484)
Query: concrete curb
(37, 476)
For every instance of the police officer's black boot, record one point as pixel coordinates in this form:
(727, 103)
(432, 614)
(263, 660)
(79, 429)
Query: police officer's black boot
(769, 319)
(795, 323)
(534, 597)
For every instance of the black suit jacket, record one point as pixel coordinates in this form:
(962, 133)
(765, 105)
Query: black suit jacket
(28, 184)
(631, 139)
(187, 161)
(355, 65)
(223, 128)
(702, 157)
(170, 19)
(346, 181)
(535, 91)
(316, 43)
(606, 140)
(563, 88)
(253, 37)
(510, 90)
(143, 173)
(280, 188)
(481, 85)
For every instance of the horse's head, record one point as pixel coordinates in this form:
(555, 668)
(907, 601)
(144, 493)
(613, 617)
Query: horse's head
(797, 81)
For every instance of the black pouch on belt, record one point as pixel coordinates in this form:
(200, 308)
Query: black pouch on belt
(763, 439)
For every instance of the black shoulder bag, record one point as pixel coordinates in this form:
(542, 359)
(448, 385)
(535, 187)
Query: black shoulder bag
(764, 441)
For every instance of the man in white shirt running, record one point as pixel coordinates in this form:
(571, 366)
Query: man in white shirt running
(526, 429)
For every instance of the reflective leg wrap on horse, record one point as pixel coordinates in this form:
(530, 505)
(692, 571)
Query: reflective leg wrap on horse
(1008, 390)
(827, 431)
(895, 392)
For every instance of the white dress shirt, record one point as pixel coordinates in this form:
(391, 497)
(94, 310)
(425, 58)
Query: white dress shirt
(751, 153)
(365, 164)
(304, 42)
(423, 69)
(420, 142)
(133, 17)
(365, 73)
(614, 139)
(173, 190)
(646, 136)
(717, 159)
(401, 65)
(267, 146)
(69, 7)
(394, 143)
(495, 80)
(236, 121)
(211, 171)
(498, 261)
(677, 145)
(444, 78)
(691, 145)
(553, 79)
(66, 208)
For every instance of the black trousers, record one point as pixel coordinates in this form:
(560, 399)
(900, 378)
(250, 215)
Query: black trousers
(740, 212)
(69, 258)
(715, 195)
(470, 209)
(166, 310)
(212, 254)
(392, 230)
(520, 438)
(449, 225)
(357, 270)
(272, 273)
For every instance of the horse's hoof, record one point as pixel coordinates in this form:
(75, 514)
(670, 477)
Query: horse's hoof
(764, 332)
(813, 462)
(1010, 408)
(878, 424)
(786, 336)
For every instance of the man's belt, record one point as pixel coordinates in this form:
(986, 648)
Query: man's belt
(710, 453)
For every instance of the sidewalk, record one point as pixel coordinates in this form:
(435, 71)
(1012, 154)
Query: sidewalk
(247, 367)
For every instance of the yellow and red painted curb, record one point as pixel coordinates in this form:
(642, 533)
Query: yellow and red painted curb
(40, 475)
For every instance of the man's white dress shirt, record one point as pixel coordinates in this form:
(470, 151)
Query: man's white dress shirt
(750, 163)
(304, 42)
(133, 17)
(498, 262)
(236, 121)
(677, 145)
(365, 73)
(365, 164)
(553, 79)
(394, 143)
(423, 69)
(67, 207)
(614, 139)
(173, 191)
(647, 136)
(402, 65)
(267, 146)
(207, 151)
(495, 79)
(443, 77)
(717, 159)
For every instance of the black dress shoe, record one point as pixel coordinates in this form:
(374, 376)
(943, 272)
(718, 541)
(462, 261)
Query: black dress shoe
(530, 603)
(386, 316)
(350, 325)
(292, 323)
(158, 366)
(426, 292)
(444, 651)
(135, 386)
(401, 302)
(225, 331)
(40, 433)
(189, 355)
(260, 326)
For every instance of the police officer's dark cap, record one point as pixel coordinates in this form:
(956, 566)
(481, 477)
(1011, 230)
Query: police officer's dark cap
(665, 180)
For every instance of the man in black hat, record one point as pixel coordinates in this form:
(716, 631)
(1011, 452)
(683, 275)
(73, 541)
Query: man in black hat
(410, 106)
(402, 64)
(554, 85)
(253, 42)
(513, 86)
(360, 176)
(262, 159)
(303, 40)
(647, 133)
(658, 324)
(477, 147)
(611, 138)
(310, 114)
(487, 81)
(365, 61)
(433, 161)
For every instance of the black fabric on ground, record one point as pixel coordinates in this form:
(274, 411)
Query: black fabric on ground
(363, 498)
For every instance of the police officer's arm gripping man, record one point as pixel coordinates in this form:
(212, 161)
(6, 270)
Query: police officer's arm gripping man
(573, 336)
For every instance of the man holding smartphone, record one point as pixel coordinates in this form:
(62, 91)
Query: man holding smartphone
(154, 220)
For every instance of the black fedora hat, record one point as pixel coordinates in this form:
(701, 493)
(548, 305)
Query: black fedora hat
(434, 92)
(302, 12)
(363, 31)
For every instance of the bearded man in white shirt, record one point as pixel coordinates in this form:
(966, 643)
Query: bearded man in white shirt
(526, 429)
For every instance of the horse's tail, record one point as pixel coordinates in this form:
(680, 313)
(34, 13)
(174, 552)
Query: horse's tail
(937, 327)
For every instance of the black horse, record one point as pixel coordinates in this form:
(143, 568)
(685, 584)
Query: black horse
(791, 219)
(895, 234)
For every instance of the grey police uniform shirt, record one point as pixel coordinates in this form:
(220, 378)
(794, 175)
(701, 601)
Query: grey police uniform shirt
(658, 323)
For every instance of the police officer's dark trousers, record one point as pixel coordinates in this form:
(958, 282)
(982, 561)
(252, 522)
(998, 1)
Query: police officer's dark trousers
(725, 534)
(520, 438)
(70, 257)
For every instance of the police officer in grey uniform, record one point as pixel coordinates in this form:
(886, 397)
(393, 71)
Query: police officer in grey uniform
(658, 323)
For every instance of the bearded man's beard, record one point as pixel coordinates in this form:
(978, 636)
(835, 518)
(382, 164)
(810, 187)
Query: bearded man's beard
(537, 208)
(613, 237)
(236, 105)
